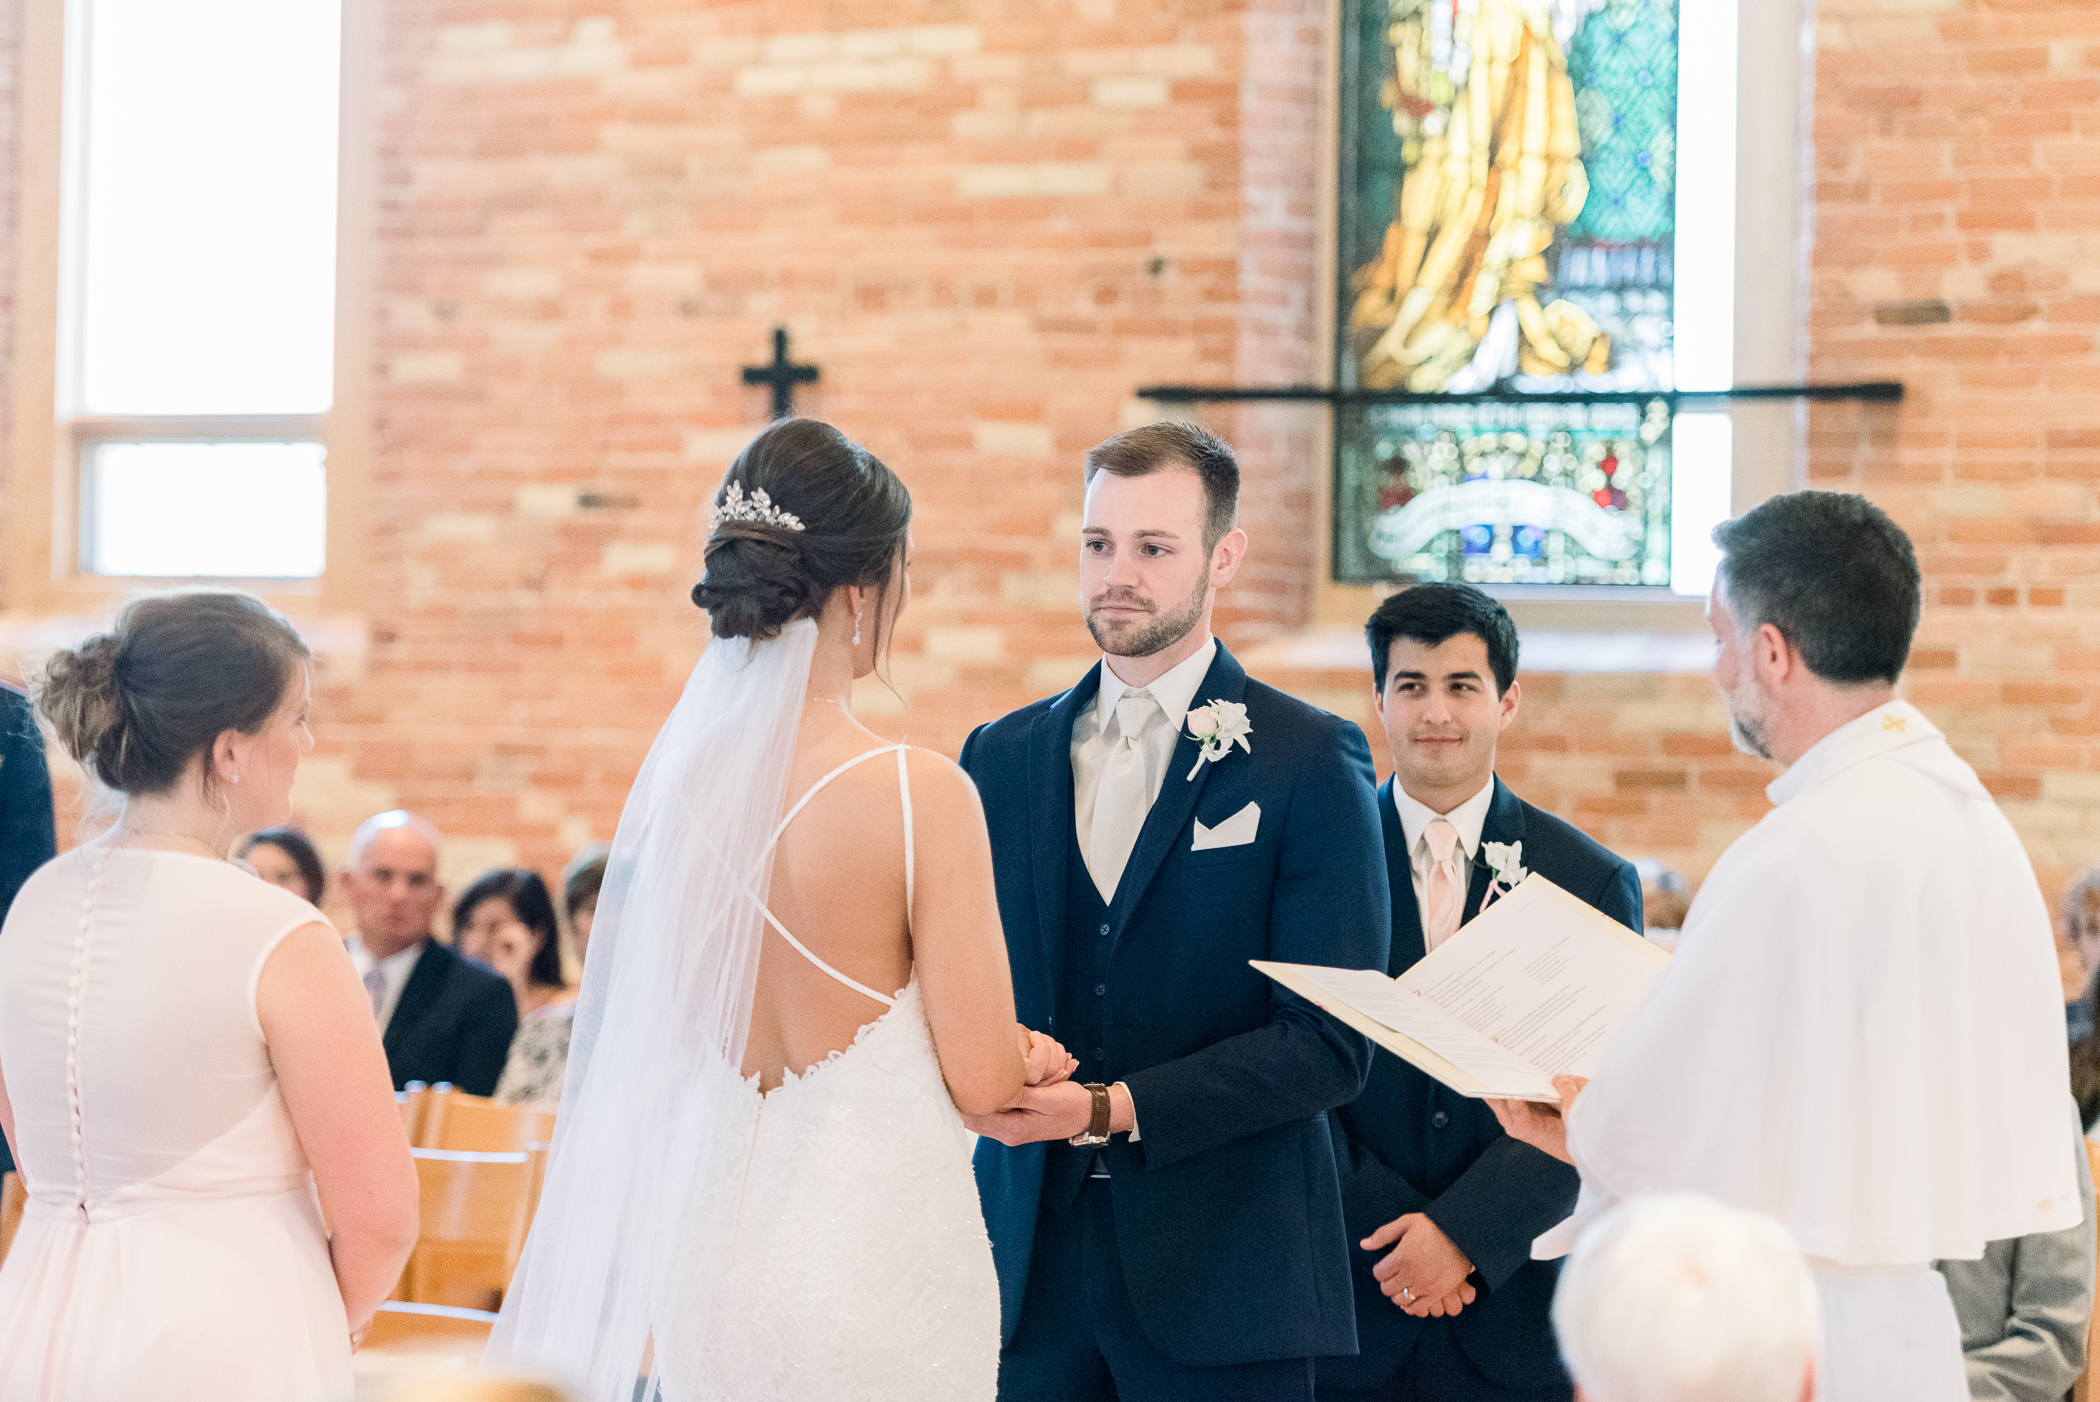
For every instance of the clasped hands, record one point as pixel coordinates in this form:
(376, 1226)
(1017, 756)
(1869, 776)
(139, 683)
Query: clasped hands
(1051, 1105)
(1425, 1272)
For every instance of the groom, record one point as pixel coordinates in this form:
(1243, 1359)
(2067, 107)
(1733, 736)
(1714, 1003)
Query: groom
(1168, 1224)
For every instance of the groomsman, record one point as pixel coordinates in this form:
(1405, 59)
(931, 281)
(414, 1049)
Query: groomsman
(1442, 1205)
(1168, 1224)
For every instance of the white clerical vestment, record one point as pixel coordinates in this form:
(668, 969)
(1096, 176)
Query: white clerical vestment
(1861, 1035)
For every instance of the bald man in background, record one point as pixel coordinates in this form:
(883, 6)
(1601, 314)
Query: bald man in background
(442, 1017)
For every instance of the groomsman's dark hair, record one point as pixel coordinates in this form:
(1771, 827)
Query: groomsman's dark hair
(1144, 451)
(1431, 613)
(1833, 574)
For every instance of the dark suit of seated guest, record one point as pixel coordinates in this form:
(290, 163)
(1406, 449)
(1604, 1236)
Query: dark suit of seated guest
(441, 1017)
(1441, 1205)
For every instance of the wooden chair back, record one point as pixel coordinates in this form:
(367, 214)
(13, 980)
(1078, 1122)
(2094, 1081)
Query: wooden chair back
(413, 1103)
(453, 1119)
(401, 1327)
(13, 1198)
(477, 1208)
(2088, 1388)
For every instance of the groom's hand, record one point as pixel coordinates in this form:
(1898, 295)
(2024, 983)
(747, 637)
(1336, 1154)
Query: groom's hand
(1056, 1111)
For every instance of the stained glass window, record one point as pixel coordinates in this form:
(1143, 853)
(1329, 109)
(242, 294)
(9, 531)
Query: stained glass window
(1508, 229)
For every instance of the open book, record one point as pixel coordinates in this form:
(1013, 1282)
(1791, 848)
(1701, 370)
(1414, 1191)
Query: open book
(1525, 991)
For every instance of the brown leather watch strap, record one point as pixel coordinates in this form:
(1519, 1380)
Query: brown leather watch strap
(1098, 1130)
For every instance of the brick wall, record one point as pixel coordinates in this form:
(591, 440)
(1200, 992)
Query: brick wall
(988, 222)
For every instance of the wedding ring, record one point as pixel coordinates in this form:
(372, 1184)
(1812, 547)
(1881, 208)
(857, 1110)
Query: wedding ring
(1407, 1294)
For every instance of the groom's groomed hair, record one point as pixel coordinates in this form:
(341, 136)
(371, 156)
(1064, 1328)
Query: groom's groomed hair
(1144, 451)
(1431, 613)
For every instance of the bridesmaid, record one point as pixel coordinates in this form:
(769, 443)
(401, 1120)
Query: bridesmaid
(189, 1071)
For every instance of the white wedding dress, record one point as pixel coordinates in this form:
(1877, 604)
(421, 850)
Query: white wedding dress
(859, 1267)
(821, 1242)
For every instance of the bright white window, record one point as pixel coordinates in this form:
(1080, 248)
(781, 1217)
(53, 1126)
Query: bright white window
(202, 204)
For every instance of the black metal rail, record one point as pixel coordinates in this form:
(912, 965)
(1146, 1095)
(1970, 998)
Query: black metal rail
(1867, 391)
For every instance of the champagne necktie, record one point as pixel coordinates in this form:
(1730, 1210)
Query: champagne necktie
(375, 984)
(1125, 795)
(1444, 893)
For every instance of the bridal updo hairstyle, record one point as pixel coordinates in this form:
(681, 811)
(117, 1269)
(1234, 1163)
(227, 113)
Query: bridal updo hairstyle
(136, 704)
(854, 512)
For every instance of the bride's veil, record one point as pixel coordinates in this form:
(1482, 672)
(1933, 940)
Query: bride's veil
(649, 1147)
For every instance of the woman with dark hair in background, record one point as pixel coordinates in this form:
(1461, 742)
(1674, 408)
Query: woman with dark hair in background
(189, 1071)
(580, 883)
(286, 858)
(506, 921)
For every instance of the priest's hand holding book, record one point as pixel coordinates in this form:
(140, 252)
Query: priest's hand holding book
(1543, 1127)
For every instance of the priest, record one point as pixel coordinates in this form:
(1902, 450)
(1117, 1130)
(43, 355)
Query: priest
(1860, 1033)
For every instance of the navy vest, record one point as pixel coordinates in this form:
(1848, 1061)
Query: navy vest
(1082, 1004)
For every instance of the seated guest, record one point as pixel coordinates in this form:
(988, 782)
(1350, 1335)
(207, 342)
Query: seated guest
(1441, 1205)
(579, 892)
(1664, 900)
(2026, 1306)
(506, 920)
(2082, 932)
(285, 857)
(1678, 1298)
(441, 1017)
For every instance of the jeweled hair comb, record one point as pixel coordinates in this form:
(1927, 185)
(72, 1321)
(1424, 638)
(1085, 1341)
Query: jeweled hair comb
(758, 507)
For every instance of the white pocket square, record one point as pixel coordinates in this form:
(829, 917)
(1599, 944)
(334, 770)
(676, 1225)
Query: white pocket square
(1236, 831)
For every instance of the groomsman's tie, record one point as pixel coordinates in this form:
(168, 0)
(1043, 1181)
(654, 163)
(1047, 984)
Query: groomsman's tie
(1444, 893)
(375, 984)
(1125, 795)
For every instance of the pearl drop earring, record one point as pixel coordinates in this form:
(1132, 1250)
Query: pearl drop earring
(856, 627)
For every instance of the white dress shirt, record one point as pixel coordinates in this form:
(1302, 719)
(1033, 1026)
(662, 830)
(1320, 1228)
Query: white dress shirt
(395, 969)
(1415, 817)
(1175, 691)
(1093, 740)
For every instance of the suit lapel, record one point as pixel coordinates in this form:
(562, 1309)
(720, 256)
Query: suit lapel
(1225, 681)
(1051, 823)
(1504, 823)
(1408, 943)
(418, 993)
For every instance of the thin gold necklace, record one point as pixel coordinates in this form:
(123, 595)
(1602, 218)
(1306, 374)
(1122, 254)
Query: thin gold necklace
(179, 836)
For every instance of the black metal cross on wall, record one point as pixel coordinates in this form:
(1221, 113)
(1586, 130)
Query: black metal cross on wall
(783, 375)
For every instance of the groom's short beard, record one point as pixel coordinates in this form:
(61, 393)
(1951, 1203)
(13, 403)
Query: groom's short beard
(1161, 632)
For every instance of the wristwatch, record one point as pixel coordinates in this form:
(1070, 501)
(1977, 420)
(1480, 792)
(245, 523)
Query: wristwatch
(1097, 1129)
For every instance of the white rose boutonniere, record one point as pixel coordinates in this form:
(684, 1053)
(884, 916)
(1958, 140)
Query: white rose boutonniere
(1506, 861)
(1219, 726)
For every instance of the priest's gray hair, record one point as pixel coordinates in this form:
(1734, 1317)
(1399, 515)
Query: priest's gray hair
(1679, 1298)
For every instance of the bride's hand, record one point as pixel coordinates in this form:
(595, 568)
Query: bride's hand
(1048, 1062)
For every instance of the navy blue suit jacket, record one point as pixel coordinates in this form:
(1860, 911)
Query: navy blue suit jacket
(1410, 1144)
(1228, 1212)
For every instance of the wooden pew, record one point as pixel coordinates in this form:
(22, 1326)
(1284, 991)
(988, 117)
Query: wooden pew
(477, 1208)
(453, 1119)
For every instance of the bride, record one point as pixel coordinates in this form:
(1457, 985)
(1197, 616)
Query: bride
(797, 987)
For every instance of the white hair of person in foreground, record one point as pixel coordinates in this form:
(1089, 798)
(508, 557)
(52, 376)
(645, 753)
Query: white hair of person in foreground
(1679, 1298)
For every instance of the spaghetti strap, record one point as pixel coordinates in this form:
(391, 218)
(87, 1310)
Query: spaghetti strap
(888, 1000)
(904, 794)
